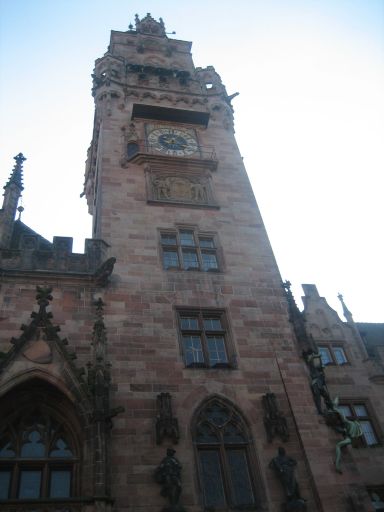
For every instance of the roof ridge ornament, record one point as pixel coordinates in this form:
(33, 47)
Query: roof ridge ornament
(149, 25)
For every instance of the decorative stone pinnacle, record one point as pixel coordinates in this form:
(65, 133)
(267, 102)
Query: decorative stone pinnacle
(149, 25)
(20, 158)
(346, 312)
(287, 285)
(17, 172)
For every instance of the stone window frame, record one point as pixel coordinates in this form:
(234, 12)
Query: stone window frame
(222, 449)
(330, 347)
(197, 248)
(205, 334)
(369, 419)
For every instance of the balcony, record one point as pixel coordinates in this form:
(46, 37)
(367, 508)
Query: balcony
(141, 151)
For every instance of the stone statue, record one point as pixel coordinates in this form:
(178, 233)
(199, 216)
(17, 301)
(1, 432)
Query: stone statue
(284, 468)
(168, 475)
(318, 382)
(351, 430)
(197, 192)
(162, 188)
(274, 422)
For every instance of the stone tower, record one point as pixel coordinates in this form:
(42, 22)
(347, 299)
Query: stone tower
(188, 373)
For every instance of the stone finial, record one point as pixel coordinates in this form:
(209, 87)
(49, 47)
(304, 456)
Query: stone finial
(17, 172)
(149, 25)
(347, 314)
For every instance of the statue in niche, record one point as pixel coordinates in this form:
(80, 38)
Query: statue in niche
(198, 193)
(284, 467)
(168, 475)
(274, 422)
(166, 424)
(318, 382)
(162, 188)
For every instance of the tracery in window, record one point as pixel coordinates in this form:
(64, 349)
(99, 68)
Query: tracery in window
(38, 456)
(223, 451)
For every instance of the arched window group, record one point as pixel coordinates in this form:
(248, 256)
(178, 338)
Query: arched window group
(38, 456)
(222, 443)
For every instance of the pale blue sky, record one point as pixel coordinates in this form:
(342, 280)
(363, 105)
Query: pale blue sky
(309, 120)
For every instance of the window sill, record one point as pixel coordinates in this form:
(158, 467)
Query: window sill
(218, 366)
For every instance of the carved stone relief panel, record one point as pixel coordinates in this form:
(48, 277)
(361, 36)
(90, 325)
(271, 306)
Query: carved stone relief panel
(180, 187)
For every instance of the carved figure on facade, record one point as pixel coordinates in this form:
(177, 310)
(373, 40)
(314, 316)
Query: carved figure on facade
(181, 189)
(350, 429)
(274, 421)
(284, 468)
(168, 475)
(318, 381)
(166, 424)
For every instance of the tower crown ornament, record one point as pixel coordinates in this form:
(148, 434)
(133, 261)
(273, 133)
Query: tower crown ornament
(149, 25)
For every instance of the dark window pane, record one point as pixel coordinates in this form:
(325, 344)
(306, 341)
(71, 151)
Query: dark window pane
(360, 411)
(339, 355)
(241, 488)
(368, 433)
(212, 480)
(61, 449)
(60, 484)
(5, 480)
(212, 324)
(30, 483)
(170, 259)
(216, 350)
(345, 410)
(206, 243)
(193, 352)
(132, 148)
(190, 259)
(325, 355)
(189, 323)
(6, 448)
(209, 261)
(186, 238)
(168, 239)
(34, 446)
(206, 435)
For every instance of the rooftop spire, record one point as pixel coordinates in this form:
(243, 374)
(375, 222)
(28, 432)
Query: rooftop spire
(17, 172)
(347, 314)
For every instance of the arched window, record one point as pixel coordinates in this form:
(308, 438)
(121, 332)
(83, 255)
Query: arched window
(222, 442)
(38, 455)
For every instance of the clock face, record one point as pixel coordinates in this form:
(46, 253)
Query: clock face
(172, 141)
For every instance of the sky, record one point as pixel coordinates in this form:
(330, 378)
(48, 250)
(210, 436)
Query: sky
(309, 120)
